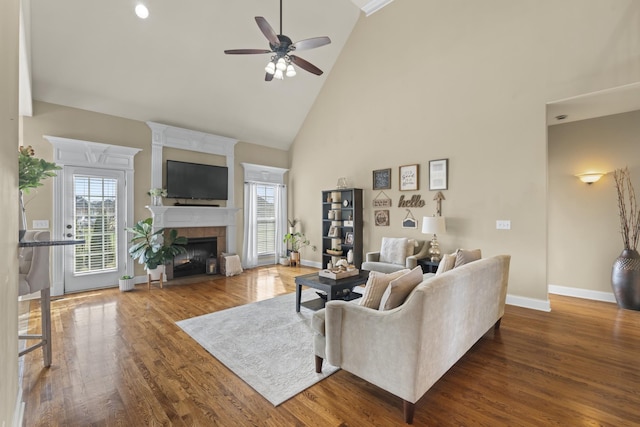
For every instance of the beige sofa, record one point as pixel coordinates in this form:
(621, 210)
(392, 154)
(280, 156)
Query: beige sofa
(407, 349)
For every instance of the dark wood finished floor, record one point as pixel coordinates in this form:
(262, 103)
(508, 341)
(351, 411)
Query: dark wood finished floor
(120, 359)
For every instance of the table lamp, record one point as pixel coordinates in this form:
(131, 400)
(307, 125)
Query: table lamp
(434, 225)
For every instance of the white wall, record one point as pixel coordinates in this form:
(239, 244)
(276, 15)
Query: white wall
(8, 217)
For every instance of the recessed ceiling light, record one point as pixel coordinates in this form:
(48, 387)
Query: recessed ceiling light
(142, 11)
(561, 117)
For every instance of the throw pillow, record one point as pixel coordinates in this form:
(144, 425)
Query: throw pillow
(446, 263)
(393, 250)
(376, 285)
(400, 288)
(464, 256)
(412, 244)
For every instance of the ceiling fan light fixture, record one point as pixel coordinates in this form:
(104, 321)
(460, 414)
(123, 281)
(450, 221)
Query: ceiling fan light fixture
(291, 71)
(281, 64)
(270, 68)
(279, 75)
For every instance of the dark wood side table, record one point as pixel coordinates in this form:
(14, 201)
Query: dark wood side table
(335, 289)
(428, 266)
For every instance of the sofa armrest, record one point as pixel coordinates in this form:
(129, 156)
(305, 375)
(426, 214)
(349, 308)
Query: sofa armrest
(372, 256)
(365, 342)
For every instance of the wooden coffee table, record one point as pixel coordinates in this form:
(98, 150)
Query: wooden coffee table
(335, 289)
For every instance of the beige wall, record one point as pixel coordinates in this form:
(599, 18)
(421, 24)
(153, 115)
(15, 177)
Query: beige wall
(9, 216)
(57, 120)
(584, 226)
(467, 81)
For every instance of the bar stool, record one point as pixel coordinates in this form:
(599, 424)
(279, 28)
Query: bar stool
(34, 277)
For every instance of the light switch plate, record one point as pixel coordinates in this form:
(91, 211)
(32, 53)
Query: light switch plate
(503, 224)
(39, 224)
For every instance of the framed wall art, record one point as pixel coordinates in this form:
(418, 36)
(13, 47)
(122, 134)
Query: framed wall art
(348, 238)
(409, 178)
(382, 179)
(381, 218)
(438, 174)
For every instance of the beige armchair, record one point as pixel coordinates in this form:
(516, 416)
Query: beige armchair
(34, 277)
(395, 254)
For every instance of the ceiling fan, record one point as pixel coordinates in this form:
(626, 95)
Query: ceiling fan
(281, 47)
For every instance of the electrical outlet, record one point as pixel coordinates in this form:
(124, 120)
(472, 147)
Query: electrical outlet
(503, 224)
(39, 224)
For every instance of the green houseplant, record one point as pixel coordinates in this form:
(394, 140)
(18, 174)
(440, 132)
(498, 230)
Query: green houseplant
(150, 249)
(31, 172)
(298, 241)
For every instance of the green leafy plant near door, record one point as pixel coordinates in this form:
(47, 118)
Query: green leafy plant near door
(150, 249)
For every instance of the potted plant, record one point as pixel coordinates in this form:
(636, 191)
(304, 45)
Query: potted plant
(149, 248)
(298, 241)
(625, 274)
(126, 283)
(31, 172)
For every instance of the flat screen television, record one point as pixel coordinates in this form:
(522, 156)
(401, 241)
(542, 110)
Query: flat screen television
(196, 181)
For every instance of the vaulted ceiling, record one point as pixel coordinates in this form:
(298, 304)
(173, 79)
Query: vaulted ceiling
(171, 68)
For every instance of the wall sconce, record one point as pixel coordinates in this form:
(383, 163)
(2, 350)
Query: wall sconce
(590, 178)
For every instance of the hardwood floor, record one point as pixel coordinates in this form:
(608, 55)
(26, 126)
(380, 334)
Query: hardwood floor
(120, 359)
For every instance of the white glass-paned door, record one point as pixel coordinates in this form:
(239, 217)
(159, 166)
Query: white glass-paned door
(94, 214)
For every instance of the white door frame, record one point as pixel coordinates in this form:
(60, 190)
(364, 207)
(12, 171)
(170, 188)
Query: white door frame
(74, 152)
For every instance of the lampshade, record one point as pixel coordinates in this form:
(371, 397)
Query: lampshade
(278, 75)
(281, 64)
(590, 178)
(291, 71)
(433, 225)
(270, 68)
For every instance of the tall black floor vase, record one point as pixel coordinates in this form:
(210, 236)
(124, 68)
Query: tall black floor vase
(625, 279)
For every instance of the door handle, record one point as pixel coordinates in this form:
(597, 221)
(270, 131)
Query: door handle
(69, 235)
(69, 226)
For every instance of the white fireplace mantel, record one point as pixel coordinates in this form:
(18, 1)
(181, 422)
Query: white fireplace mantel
(193, 216)
(197, 216)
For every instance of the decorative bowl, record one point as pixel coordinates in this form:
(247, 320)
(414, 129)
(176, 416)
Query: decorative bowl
(334, 253)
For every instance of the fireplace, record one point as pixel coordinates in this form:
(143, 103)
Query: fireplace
(194, 261)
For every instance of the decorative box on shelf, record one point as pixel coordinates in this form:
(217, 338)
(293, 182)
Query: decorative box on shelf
(338, 274)
(348, 223)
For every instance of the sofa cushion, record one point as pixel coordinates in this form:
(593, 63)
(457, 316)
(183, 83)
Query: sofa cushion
(446, 263)
(377, 283)
(400, 288)
(393, 250)
(464, 256)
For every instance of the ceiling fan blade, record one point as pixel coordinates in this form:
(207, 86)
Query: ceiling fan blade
(245, 51)
(268, 77)
(305, 65)
(267, 30)
(311, 43)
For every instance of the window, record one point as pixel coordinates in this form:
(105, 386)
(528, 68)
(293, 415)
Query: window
(266, 219)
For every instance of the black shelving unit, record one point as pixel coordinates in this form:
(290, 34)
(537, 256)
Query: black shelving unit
(347, 208)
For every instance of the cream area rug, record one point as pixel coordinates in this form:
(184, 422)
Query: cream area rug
(267, 344)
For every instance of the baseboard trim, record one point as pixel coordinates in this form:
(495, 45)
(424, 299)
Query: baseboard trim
(532, 303)
(582, 293)
(308, 263)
